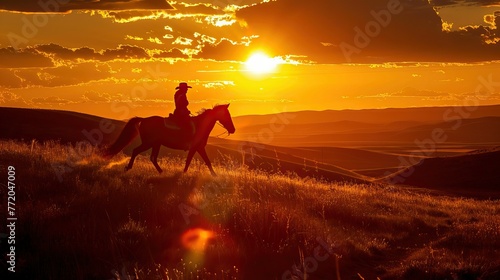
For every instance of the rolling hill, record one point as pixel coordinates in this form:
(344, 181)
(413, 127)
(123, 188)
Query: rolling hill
(71, 127)
(63, 126)
(473, 174)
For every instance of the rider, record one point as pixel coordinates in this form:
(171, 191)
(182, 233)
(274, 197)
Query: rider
(181, 112)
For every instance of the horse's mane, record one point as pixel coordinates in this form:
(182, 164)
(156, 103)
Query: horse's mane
(205, 110)
(202, 111)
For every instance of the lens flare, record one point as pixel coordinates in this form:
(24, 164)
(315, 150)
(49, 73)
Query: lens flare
(113, 163)
(196, 239)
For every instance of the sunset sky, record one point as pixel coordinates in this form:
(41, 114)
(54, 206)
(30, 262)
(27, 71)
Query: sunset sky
(124, 58)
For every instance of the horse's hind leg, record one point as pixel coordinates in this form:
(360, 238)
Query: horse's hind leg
(154, 157)
(136, 151)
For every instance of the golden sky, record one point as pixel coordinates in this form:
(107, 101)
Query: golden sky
(120, 59)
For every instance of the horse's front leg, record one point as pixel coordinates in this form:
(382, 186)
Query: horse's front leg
(204, 156)
(190, 155)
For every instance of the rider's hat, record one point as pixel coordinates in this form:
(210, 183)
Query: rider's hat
(183, 86)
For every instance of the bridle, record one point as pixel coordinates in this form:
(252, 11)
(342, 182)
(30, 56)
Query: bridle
(217, 136)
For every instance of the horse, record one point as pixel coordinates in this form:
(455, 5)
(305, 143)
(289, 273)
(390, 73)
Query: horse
(154, 133)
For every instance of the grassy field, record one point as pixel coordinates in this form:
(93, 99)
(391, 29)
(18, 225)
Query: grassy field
(81, 217)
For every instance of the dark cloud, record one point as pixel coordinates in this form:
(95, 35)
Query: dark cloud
(68, 5)
(12, 58)
(370, 31)
(180, 10)
(60, 52)
(124, 52)
(198, 8)
(53, 65)
(173, 53)
(464, 2)
(51, 55)
(223, 3)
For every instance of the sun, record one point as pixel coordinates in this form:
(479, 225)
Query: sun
(260, 63)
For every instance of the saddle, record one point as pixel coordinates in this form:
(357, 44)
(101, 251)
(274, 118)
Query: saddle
(172, 122)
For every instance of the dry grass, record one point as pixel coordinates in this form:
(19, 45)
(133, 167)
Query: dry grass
(99, 222)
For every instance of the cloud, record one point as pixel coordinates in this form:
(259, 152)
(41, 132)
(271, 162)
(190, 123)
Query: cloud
(51, 100)
(218, 84)
(413, 92)
(222, 3)
(54, 76)
(197, 8)
(183, 41)
(12, 58)
(60, 6)
(224, 50)
(97, 97)
(464, 2)
(180, 11)
(173, 53)
(9, 99)
(52, 55)
(372, 31)
(106, 98)
(121, 52)
(54, 66)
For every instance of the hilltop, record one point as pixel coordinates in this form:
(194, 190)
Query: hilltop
(357, 146)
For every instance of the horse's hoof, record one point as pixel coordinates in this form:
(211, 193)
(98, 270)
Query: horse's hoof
(127, 168)
(213, 174)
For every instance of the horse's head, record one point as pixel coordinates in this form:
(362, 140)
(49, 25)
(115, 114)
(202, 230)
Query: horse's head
(224, 117)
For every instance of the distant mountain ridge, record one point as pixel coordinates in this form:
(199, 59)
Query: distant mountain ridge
(388, 115)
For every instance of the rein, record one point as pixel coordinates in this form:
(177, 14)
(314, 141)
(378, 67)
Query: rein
(217, 136)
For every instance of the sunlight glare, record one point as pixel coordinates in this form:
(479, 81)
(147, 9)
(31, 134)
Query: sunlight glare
(260, 63)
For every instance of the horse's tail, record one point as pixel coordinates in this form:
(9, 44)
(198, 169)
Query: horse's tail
(128, 134)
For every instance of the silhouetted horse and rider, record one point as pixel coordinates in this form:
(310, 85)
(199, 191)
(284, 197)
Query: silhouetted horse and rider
(179, 131)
